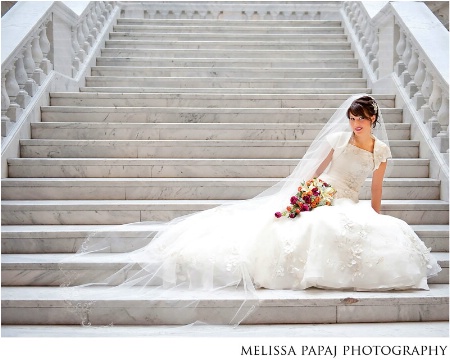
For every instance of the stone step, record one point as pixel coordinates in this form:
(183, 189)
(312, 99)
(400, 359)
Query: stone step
(197, 115)
(219, 28)
(174, 168)
(224, 149)
(45, 269)
(410, 329)
(235, 44)
(234, 72)
(208, 100)
(189, 131)
(110, 212)
(227, 54)
(47, 305)
(232, 91)
(225, 82)
(214, 36)
(274, 62)
(42, 239)
(229, 23)
(185, 188)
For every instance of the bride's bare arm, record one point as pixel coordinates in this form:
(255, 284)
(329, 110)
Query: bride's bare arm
(377, 186)
(324, 164)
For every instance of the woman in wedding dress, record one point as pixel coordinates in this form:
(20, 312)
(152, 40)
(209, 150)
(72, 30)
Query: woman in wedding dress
(348, 245)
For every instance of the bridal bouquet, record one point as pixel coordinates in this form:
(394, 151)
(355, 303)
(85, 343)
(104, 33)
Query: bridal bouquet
(311, 194)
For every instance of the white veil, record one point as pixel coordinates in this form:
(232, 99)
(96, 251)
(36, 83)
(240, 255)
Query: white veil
(213, 242)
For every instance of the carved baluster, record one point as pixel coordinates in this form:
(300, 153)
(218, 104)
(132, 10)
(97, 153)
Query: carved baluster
(244, 16)
(5, 105)
(405, 77)
(85, 32)
(90, 29)
(100, 18)
(36, 52)
(109, 8)
(12, 89)
(183, 15)
(400, 49)
(76, 62)
(442, 139)
(419, 78)
(30, 87)
(362, 37)
(435, 103)
(80, 39)
(293, 16)
(268, 16)
(255, 16)
(98, 23)
(355, 15)
(45, 46)
(411, 87)
(368, 45)
(95, 30)
(426, 88)
(23, 99)
(347, 8)
(373, 54)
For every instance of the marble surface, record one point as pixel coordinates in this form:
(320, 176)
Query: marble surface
(388, 330)
(312, 305)
(211, 62)
(217, 72)
(208, 100)
(157, 168)
(96, 212)
(224, 149)
(185, 188)
(197, 115)
(189, 131)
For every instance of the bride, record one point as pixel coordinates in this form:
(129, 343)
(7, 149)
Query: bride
(250, 244)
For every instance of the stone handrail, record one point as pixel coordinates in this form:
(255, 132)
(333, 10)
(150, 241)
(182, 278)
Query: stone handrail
(407, 40)
(35, 44)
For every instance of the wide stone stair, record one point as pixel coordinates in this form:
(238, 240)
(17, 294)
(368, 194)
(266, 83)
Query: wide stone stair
(179, 116)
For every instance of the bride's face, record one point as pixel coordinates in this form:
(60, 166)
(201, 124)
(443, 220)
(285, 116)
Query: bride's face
(361, 125)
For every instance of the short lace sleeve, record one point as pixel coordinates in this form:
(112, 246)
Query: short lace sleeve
(381, 153)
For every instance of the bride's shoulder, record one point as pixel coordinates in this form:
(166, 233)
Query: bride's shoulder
(381, 152)
(380, 145)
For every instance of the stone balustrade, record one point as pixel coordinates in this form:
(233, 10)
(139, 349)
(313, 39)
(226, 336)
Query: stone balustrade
(30, 54)
(414, 47)
(299, 10)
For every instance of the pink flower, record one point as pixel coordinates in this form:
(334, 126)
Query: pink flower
(278, 214)
(294, 200)
(307, 199)
(315, 191)
(305, 207)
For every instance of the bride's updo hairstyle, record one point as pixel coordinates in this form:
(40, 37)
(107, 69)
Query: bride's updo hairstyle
(365, 107)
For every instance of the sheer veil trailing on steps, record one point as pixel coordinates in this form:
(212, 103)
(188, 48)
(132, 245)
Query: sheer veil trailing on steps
(213, 244)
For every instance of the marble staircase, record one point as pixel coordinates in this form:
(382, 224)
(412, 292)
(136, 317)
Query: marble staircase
(179, 116)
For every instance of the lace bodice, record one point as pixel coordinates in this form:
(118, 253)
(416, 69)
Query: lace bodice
(348, 171)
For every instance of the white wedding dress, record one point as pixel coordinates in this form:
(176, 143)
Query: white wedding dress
(344, 246)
